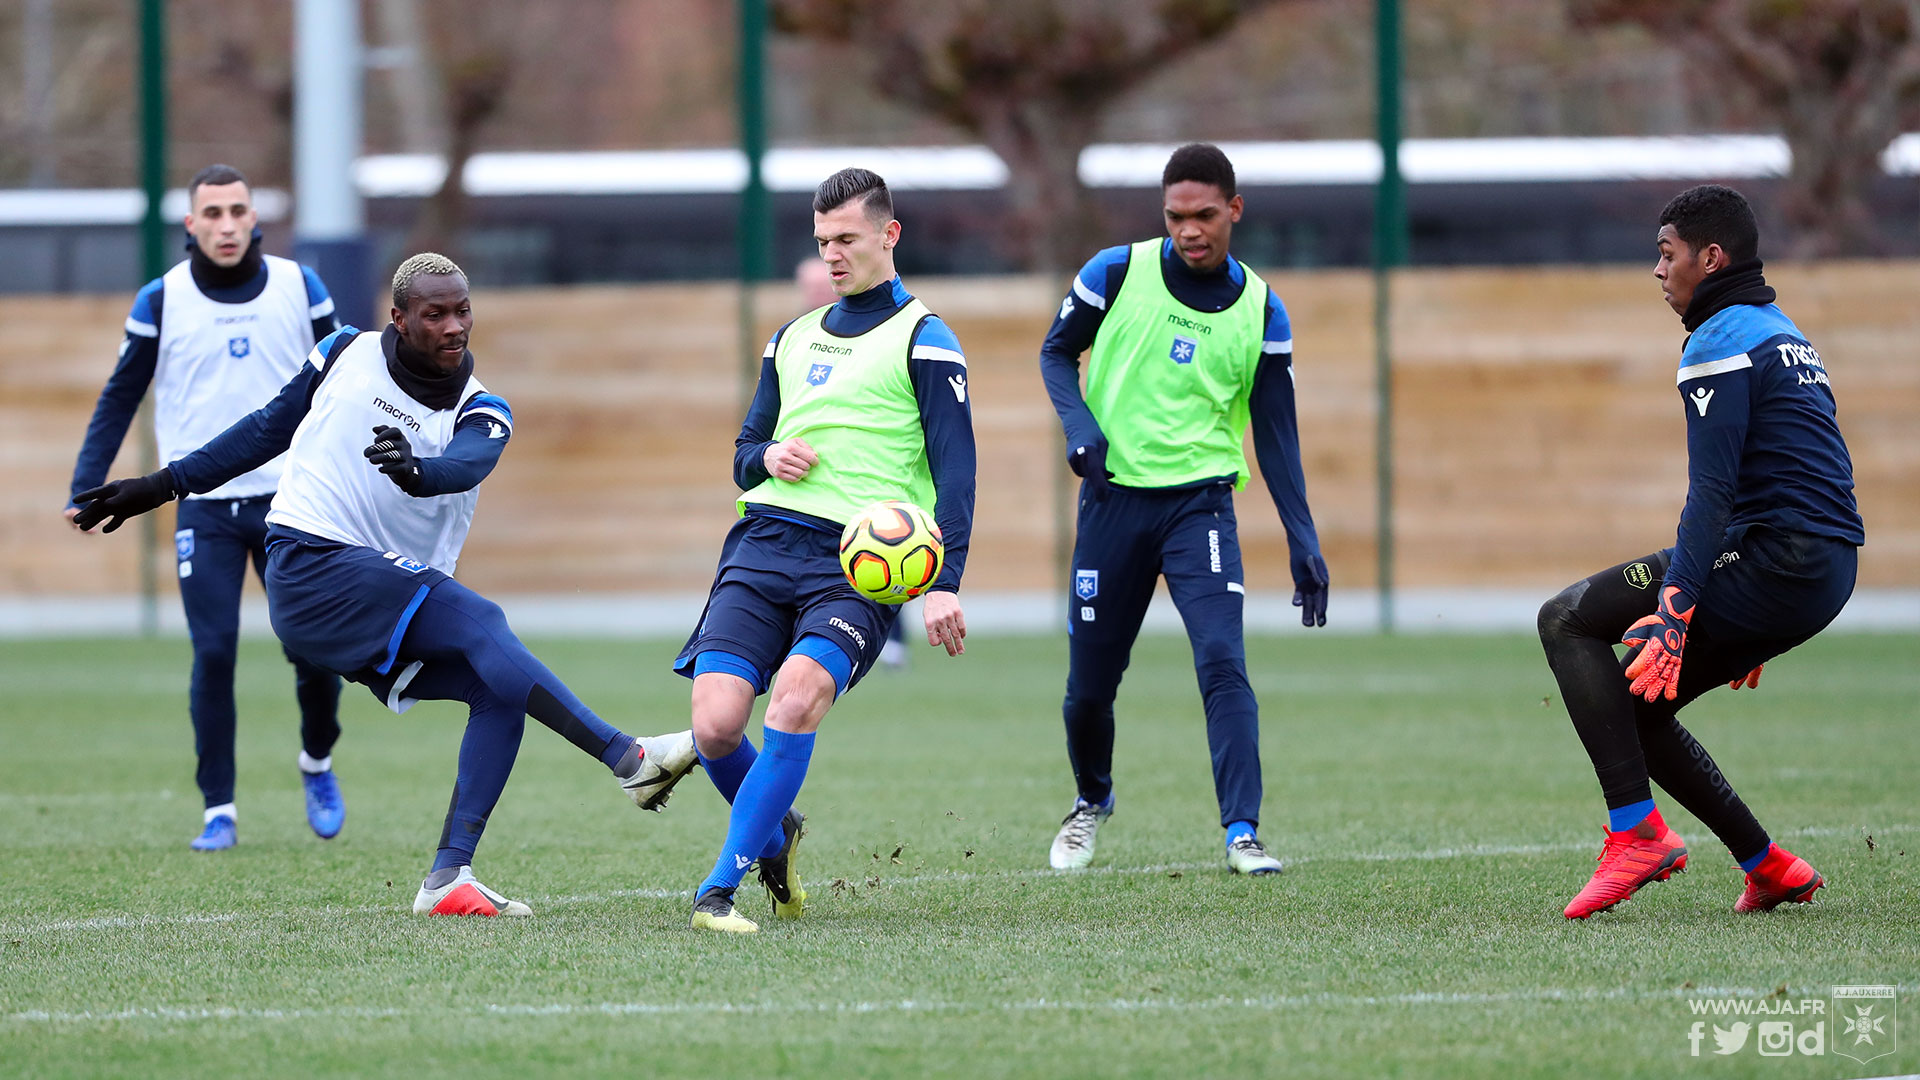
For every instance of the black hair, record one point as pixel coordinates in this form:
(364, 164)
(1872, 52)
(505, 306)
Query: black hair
(215, 175)
(1202, 163)
(850, 184)
(1714, 214)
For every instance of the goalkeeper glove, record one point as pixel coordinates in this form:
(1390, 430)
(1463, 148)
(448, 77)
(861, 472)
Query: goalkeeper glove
(119, 501)
(1310, 588)
(1751, 680)
(1089, 462)
(1662, 636)
(394, 456)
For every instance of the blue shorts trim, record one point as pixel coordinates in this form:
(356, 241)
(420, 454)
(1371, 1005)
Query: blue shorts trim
(400, 628)
(828, 654)
(722, 662)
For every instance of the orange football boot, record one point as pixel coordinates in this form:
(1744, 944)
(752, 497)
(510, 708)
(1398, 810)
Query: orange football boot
(1781, 878)
(1647, 852)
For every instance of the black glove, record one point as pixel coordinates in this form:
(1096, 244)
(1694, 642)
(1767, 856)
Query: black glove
(121, 500)
(394, 455)
(1310, 588)
(1089, 462)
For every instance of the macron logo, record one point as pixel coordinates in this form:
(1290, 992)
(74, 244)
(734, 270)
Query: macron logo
(390, 410)
(1700, 398)
(959, 384)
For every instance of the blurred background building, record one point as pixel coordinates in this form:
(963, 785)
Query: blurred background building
(582, 159)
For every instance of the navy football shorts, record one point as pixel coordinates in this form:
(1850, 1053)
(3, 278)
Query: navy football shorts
(778, 582)
(343, 607)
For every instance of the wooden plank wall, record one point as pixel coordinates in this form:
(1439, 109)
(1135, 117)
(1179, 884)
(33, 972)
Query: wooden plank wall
(1539, 436)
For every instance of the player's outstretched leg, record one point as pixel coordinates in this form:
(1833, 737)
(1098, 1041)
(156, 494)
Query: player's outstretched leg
(454, 623)
(1578, 629)
(802, 694)
(318, 693)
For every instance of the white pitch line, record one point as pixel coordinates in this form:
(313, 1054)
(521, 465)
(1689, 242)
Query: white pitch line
(1264, 1003)
(938, 877)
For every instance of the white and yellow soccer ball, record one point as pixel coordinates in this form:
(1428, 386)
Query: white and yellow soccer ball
(891, 552)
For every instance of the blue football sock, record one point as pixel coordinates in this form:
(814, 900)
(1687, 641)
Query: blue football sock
(763, 799)
(727, 772)
(1622, 818)
(1749, 863)
(1238, 829)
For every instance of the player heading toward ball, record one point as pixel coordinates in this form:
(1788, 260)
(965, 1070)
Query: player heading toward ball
(1764, 559)
(1187, 345)
(387, 438)
(860, 401)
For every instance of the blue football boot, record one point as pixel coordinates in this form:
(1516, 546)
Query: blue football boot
(326, 811)
(219, 835)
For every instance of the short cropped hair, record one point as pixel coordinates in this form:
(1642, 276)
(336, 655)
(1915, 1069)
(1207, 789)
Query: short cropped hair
(215, 175)
(425, 264)
(1714, 214)
(1202, 163)
(849, 184)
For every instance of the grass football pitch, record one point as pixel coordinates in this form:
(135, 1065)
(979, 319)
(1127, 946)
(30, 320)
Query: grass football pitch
(1432, 802)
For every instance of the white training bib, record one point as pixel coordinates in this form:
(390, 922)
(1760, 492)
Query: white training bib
(329, 488)
(219, 362)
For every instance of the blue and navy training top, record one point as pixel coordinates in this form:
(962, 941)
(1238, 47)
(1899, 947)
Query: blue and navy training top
(1276, 427)
(1763, 439)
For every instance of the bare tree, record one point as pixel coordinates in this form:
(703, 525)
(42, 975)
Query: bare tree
(1029, 78)
(1836, 75)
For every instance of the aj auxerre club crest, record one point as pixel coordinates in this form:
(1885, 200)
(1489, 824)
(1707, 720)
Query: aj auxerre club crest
(818, 373)
(1184, 349)
(238, 347)
(1868, 1022)
(1086, 584)
(1639, 575)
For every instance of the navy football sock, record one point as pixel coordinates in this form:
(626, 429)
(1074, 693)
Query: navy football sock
(454, 621)
(487, 751)
(763, 799)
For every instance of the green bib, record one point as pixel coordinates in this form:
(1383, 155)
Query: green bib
(852, 399)
(1169, 384)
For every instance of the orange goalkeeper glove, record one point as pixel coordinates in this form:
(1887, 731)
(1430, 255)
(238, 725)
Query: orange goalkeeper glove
(1662, 637)
(1750, 680)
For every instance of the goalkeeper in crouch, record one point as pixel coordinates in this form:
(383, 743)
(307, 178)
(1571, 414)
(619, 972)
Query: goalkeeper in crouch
(1765, 559)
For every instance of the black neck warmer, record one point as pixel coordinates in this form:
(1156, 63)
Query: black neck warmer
(1739, 283)
(210, 275)
(415, 373)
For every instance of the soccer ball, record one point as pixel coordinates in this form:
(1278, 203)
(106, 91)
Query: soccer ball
(891, 552)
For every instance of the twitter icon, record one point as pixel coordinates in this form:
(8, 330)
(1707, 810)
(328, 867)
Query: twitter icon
(1730, 1041)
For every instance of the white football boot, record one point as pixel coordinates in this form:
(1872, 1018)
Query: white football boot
(1073, 845)
(664, 759)
(1246, 856)
(464, 895)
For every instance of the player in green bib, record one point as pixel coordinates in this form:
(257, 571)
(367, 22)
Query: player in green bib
(861, 400)
(1187, 346)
